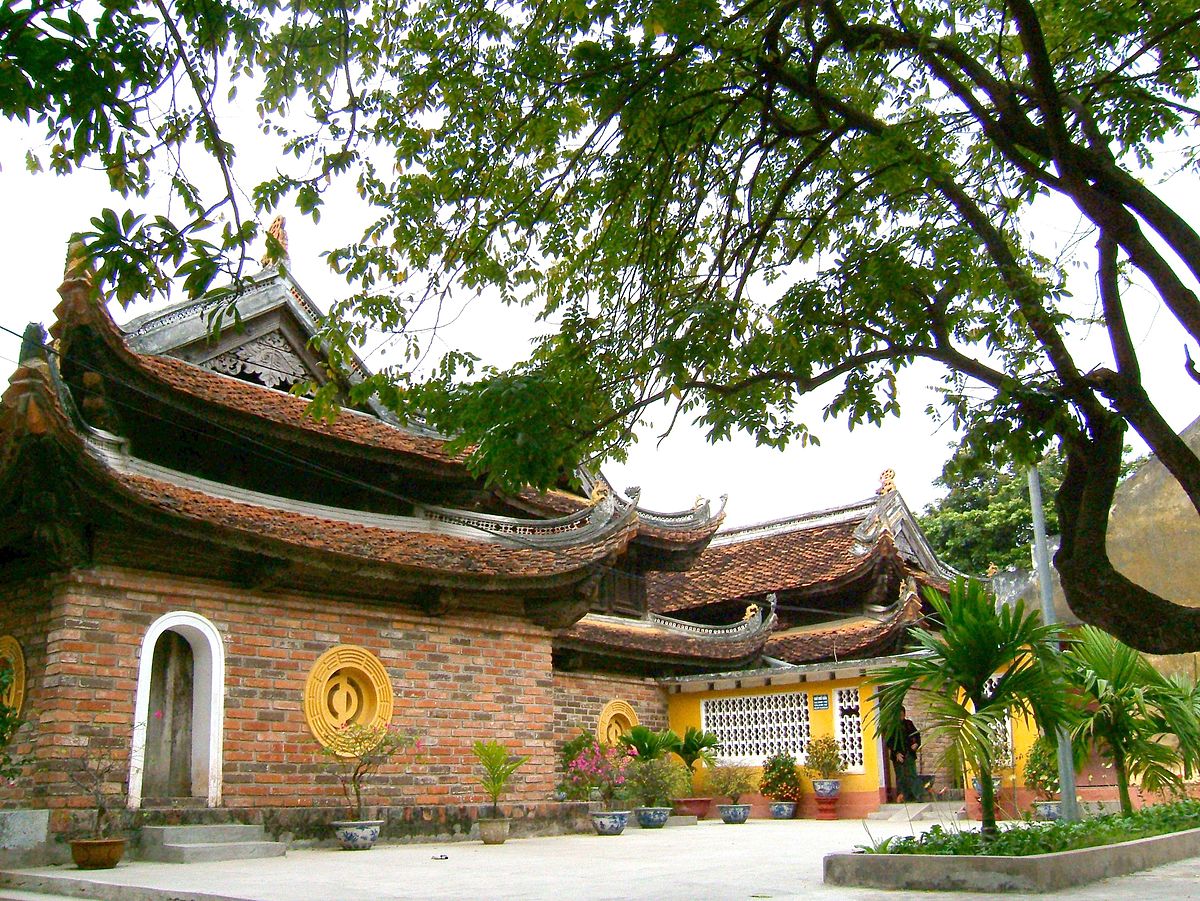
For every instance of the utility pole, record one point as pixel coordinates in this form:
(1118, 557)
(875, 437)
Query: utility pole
(1068, 808)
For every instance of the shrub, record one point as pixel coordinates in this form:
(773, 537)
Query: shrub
(1044, 838)
(1041, 768)
(652, 782)
(698, 746)
(780, 777)
(731, 781)
(824, 758)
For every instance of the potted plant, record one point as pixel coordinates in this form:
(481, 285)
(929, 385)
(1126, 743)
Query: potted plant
(359, 753)
(825, 767)
(648, 744)
(651, 783)
(98, 774)
(780, 781)
(1041, 776)
(732, 782)
(696, 747)
(602, 769)
(498, 768)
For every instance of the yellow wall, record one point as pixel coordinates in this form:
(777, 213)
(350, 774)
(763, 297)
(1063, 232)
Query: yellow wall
(683, 710)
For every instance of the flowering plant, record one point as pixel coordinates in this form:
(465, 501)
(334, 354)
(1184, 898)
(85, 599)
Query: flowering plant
(780, 779)
(359, 753)
(600, 768)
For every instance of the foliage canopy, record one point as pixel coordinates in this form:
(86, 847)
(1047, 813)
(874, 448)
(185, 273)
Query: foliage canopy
(723, 206)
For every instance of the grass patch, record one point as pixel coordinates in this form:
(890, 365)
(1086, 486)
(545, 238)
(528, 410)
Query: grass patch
(1023, 839)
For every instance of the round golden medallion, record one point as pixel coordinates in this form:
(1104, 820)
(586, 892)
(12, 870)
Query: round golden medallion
(347, 684)
(12, 660)
(616, 719)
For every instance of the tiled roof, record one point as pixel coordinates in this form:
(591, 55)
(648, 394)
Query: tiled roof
(625, 636)
(32, 404)
(777, 562)
(844, 639)
(413, 550)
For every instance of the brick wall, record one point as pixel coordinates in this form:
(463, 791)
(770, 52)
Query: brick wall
(579, 698)
(456, 679)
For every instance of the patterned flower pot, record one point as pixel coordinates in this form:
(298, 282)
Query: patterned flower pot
(827, 791)
(97, 853)
(692, 807)
(652, 817)
(733, 814)
(493, 831)
(1048, 810)
(783, 810)
(357, 835)
(610, 822)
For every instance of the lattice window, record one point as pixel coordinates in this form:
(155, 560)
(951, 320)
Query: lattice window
(847, 728)
(753, 727)
(1001, 732)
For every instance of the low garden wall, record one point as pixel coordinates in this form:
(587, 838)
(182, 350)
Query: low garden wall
(1033, 874)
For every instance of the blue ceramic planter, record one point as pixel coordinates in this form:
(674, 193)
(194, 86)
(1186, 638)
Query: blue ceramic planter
(610, 822)
(357, 835)
(652, 817)
(783, 810)
(734, 813)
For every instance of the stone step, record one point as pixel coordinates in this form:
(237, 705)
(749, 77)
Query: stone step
(919, 810)
(12, 894)
(204, 852)
(218, 841)
(156, 836)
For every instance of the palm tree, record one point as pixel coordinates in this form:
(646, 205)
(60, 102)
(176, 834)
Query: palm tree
(1126, 709)
(651, 745)
(985, 665)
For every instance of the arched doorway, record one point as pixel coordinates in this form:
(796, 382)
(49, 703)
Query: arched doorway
(168, 765)
(179, 712)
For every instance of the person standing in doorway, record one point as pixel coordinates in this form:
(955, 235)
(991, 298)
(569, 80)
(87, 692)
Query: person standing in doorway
(903, 748)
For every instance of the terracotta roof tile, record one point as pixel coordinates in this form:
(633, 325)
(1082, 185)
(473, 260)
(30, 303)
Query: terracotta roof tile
(421, 551)
(607, 634)
(843, 639)
(776, 562)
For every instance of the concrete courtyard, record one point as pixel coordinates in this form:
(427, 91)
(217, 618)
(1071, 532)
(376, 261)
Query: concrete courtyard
(762, 859)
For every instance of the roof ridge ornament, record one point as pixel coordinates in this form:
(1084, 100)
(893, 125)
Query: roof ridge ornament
(276, 251)
(887, 481)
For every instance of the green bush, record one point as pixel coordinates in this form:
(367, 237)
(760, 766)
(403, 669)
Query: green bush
(1041, 768)
(1023, 839)
(824, 758)
(654, 781)
(731, 781)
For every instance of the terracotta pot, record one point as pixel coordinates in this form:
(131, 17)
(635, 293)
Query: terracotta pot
(493, 831)
(97, 853)
(692, 807)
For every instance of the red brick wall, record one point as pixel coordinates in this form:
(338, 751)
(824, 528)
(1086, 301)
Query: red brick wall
(579, 698)
(456, 679)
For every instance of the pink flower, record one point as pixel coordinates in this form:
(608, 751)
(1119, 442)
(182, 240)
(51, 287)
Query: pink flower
(158, 714)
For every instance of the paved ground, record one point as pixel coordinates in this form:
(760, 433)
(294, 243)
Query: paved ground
(762, 859)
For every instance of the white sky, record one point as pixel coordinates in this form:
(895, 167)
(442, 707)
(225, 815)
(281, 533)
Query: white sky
(42, 211)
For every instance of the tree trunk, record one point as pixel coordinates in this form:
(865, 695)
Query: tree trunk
(987, 800)
(1122, 782)
(1094, 590)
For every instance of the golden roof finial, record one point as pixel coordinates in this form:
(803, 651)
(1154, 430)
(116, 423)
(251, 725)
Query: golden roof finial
(277, 230)
(887, 481)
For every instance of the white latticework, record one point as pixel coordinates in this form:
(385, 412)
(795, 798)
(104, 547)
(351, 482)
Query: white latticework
(753, 727)
(1001, 731)
(847, 727)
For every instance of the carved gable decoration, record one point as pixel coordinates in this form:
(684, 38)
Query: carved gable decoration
(268, 360)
